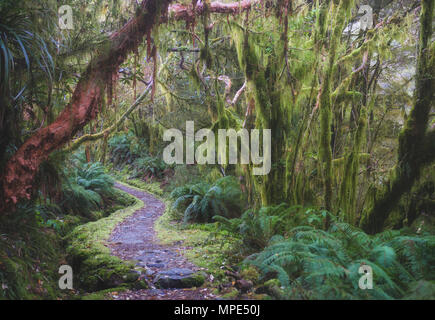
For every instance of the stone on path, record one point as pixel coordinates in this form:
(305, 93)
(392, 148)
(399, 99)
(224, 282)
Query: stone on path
(179, 278)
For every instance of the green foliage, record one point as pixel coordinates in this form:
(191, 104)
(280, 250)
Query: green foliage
(86, 189)
(201, 202)
(30, 254)
(314, 263)
(79, 201)
(258, 228)
(129, 151)
(149, 167)
(120, 148)
(92, 176)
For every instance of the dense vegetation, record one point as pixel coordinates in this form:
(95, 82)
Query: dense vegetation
(352, 119)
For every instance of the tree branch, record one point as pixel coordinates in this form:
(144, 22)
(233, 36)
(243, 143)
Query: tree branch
(20, 170)
(106, 132)
(188, 12)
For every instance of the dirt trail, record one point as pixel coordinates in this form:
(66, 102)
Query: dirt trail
(135, 239)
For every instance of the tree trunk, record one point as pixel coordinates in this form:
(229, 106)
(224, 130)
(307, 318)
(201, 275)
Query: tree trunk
(19, 173)
(414, 142)
(21, 169)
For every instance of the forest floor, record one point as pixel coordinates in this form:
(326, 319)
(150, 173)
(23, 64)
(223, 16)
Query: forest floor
(136, 239)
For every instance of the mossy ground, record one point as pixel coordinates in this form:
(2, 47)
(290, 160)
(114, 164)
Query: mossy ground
(153, 188)
(208, 247)
(31, 251)
(30, 256)
(106, 294)
(95, 267)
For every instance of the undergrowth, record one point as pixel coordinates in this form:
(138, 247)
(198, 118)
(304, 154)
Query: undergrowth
(312, 263)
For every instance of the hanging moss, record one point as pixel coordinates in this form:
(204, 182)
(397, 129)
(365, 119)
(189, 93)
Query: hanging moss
(325, 150)
(348, 188)
(271, 105)
(412, 153)
(205, 54)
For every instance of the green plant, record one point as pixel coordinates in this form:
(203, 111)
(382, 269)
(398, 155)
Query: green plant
(30, 254)
(78, 200)
(120, 146)
(201, 202)
(258, 227)
(91, 176)
(314, 263)
(149, 167)
(86, 189)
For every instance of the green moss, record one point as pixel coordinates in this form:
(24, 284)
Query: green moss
(208, 248)
(106, 294)
(272, 283)
(347, 199)
(140, 185)
(95, 267)
(272, 103)
(29, 260)
(196, 280)
(233, 294)
(250, 273)
(412, 148)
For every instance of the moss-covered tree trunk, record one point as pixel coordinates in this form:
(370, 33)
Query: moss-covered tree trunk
(414, 141)
(325, 150)
(264, 85)
(21, 169)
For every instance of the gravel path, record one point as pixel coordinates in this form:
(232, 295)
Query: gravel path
(135, 239)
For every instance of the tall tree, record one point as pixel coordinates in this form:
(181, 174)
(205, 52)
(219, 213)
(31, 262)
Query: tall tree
(416, 144)
(21, 169)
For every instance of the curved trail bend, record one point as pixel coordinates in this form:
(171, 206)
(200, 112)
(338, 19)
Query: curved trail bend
(135, 239)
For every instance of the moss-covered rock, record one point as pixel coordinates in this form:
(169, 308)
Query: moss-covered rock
(104, 294)
(232, 294)
(179, 278)
(250, 273)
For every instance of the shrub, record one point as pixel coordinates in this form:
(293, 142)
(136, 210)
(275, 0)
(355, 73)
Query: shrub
(201, 202)
(149, 167)
(120, 149)
(314, 263)
(86, 189)
(91, 176)
(257, 227)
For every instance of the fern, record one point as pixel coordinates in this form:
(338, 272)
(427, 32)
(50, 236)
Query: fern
(147, 166)
(91, 176)
(257, 228)
(201, 202)
(324, 264)
(86, 189)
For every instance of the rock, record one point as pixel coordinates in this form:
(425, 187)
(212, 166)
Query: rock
(155, 265)
(244, 285)
(179, 278)
(148, 272)
(132, 276)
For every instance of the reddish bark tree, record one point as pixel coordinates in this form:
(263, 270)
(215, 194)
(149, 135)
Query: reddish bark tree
(20, 171)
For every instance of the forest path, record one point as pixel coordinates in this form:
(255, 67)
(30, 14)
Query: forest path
(135, 239)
